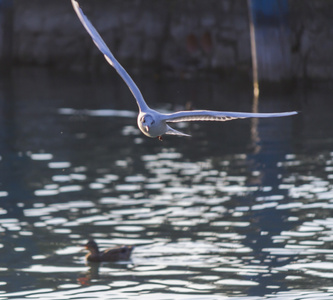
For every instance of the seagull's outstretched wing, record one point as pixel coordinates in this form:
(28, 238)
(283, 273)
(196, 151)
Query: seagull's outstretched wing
(109, 56)
(208, 115)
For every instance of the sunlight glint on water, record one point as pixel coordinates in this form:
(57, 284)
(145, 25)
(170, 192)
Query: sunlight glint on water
(216, 216)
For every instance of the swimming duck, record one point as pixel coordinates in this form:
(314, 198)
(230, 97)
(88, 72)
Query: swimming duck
(111, 254)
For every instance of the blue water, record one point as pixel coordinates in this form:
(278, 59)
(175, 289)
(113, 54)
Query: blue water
(240, 210)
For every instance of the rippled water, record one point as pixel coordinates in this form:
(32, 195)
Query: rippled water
(241, 210)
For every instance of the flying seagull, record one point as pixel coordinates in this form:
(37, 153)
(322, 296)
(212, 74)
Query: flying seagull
(152, 123)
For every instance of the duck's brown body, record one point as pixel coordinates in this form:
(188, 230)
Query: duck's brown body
(112, 254)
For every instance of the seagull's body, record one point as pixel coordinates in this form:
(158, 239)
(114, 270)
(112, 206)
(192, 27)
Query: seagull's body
(150, 122)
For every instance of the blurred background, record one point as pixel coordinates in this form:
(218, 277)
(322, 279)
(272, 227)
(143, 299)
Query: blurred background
(292, 38)
(242, 209)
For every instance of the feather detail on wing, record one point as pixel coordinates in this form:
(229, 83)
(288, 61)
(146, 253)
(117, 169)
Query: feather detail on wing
(172, 131)
(208, 115)
(109, 56)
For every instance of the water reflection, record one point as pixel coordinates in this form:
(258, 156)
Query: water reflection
(211, 217)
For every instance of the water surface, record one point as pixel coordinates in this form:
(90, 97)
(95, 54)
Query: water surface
(240, 210)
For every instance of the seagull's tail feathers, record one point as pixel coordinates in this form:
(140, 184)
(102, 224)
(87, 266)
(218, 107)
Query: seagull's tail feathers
(175, 132)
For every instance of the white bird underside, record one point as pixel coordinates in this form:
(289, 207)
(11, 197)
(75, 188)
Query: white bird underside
(151, 122)
(210, 115)
(109, 56)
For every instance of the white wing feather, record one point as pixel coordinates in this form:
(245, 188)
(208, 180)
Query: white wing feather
(172, 131)
(194, 115)
(109, 56)
(208, 115)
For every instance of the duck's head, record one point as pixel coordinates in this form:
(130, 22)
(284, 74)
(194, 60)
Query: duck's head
(91, 246)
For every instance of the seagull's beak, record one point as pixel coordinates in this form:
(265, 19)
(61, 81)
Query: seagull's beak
(147, 128)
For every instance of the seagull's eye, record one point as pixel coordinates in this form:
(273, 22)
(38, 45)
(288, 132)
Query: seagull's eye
(143, 120)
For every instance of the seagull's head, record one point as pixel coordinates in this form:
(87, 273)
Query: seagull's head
(149, 125)
(152, 124)
(145, 122)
